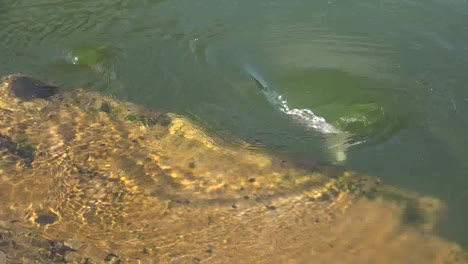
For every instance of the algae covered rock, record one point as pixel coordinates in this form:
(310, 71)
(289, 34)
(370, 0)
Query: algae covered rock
(106, 180)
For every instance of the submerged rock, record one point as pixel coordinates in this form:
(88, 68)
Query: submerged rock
(117, 177)
(28, 88)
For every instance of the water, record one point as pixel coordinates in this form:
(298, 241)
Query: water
(375, 86)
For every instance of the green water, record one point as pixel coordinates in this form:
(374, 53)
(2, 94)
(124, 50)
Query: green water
(390, 75)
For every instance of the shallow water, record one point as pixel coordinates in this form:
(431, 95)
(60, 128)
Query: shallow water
(398, 67)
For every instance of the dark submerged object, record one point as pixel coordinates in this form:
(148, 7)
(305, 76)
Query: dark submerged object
(28, 88)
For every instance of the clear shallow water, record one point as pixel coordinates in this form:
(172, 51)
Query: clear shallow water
(400, 64)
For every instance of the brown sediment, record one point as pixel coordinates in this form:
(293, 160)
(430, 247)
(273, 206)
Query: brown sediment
(113, 182)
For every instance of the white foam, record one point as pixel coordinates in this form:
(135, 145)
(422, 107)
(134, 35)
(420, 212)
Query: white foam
(336, 140)
(306, 117)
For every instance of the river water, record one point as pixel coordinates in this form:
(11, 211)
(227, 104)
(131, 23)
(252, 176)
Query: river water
(374, 86)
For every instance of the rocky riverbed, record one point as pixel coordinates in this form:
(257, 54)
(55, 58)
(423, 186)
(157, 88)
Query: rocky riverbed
(87, 178)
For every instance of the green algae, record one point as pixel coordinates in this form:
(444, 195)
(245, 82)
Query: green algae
(87, 55)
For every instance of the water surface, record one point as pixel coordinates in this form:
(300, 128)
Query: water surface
(389, 75)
